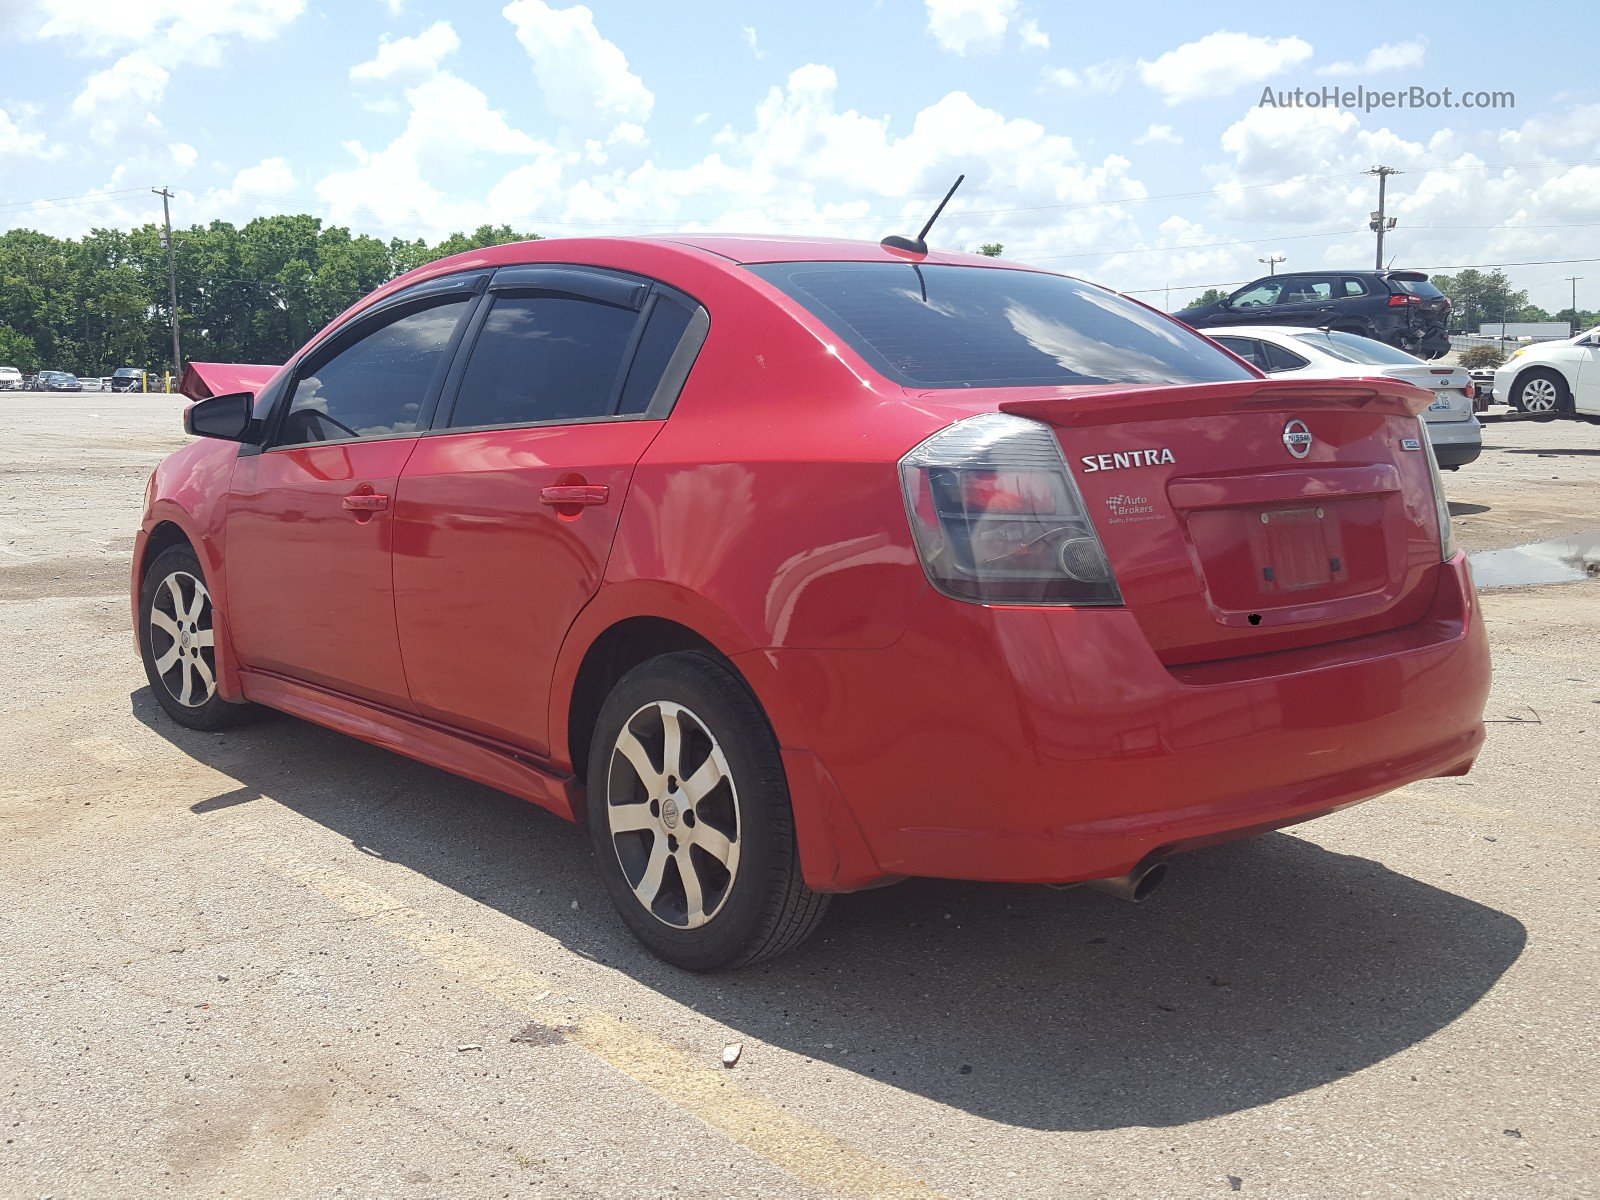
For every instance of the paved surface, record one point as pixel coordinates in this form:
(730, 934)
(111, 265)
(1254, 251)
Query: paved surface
(278, 962)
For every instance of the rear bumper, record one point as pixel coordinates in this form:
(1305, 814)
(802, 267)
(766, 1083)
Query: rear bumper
(1432, 343)
(1051, 745)
(1456, 443)
(1457, 454)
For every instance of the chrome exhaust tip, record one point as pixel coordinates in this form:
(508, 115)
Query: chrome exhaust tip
(1136, 885)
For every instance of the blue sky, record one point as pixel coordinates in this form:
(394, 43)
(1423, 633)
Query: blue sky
(1124, 143)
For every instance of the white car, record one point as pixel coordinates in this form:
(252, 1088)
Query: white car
(1553, 377)
(1303, 353)
(10, 379)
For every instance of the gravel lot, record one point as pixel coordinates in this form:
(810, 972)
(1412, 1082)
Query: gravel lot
(280, 962)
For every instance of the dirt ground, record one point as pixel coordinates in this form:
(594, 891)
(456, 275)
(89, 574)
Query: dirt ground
(278, 962)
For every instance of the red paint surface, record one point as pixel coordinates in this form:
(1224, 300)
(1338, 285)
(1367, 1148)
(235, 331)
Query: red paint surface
(921, 735)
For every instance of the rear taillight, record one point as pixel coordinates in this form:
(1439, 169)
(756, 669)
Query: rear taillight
(1447, 535)
(1404, 299)
(998, 518)
(1470, 390)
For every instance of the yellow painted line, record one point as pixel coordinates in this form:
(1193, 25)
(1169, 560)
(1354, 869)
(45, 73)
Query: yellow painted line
(708, 1093)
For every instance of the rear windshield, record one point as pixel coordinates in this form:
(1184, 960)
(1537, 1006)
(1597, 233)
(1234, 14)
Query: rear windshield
(1417, 287)
(941, 326)
(1356, 349)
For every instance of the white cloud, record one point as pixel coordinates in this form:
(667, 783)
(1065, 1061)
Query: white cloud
(20, 142)
(585, 79)
(122, 97)
(1221, 63)
(450, 127)
(1391, 56)
(1100, 79)
(184, 155)
(409, 57)
(963, 26)
(188, 30)
(1158, 135)
(748, 32)
(1033, 38)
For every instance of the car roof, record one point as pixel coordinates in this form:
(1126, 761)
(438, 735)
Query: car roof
(1266, 331)
(748, 248)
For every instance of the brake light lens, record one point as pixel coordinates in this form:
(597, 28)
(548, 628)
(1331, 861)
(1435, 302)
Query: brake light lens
(1447, 535)
(1403, 299)
(998, 519)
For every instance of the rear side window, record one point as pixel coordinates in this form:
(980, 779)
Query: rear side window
(668, 322)
(544, 358)
(1353, 348)
(1278, 359)
(376, 386)
(1354, 287)
(1246, 348)
(1306, 291)
(942, 326)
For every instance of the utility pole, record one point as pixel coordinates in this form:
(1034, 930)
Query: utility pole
(1272, 262)
(172, 275)
(1573, 280)
(1380, 224)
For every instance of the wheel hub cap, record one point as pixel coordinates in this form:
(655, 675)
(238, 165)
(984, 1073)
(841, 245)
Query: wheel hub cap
(673, 812)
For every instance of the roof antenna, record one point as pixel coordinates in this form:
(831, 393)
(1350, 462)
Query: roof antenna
(919, 245)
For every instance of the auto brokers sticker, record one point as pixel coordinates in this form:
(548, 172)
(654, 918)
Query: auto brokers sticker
(1130, 510)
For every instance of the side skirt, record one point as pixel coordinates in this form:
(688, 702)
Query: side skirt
(490, 763)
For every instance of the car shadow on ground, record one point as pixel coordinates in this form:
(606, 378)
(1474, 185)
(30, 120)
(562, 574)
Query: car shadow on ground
(1261, 969)
(1549, 452)
(1460, 508)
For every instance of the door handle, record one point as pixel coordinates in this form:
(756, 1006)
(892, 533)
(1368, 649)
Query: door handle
(579, 495)
(367, 502)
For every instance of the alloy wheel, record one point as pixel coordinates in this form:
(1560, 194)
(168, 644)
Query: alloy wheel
(182, 640)
(672, 810)
(1539, 395)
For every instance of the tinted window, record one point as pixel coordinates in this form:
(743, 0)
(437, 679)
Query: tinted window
(1306, 291)
(1279, 359)
(1417, 287)
(544, 358)
(1257, 294)
(1350, 347)
(1246, 348)
(1354, 287)
(941, 326)
(376, 386)
(668, 321)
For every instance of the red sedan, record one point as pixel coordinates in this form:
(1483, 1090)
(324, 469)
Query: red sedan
(795, 567)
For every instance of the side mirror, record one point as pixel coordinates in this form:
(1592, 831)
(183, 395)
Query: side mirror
(226, 417)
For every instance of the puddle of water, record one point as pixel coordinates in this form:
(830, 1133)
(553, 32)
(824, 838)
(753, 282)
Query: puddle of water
(1559, 560)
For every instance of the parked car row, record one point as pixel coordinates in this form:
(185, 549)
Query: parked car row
(124, 379)
(1401, 308)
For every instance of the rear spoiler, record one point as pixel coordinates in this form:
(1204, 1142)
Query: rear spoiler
(203, 380)
(1088, 406)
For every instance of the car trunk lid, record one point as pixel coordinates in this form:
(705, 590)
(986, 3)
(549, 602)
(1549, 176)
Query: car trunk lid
(1451, 388)
(1244, 518)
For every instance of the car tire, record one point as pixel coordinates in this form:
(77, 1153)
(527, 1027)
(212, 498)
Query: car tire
(704, 870)
(177, 631)
(1541, 391)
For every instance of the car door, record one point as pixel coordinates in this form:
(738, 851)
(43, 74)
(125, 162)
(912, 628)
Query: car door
(507, 509)
(310, 524)
(1305, 300)
(1250, 303)
(1586, 377)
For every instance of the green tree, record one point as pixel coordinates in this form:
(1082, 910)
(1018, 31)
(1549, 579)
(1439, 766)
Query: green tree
(1209, 296)
(991, 249)
(1479, 298)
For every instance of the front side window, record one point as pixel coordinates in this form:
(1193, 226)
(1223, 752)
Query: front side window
(544, 358)
(1257, 295)
(944, 326)
(377, 386)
